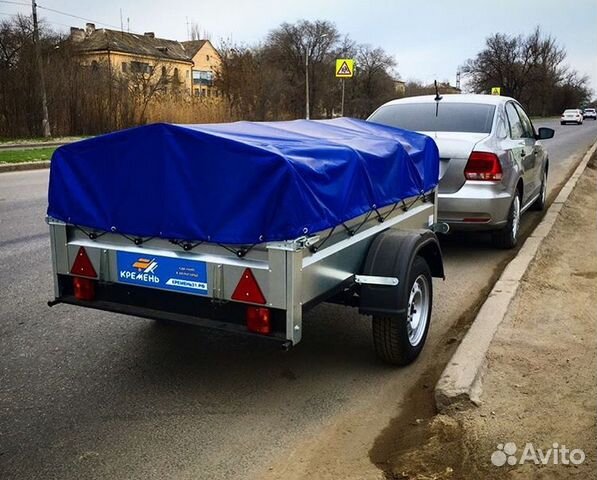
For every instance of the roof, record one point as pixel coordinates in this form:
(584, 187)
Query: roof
(454, 98)
(193, 46)
(103, 39)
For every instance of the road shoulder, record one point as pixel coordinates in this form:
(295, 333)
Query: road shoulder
(540, 386)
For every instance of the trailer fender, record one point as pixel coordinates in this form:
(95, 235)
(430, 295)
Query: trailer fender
(391, 255)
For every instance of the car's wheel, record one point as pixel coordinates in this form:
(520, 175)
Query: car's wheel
(399, 339)
(507, 237)
(541, 201)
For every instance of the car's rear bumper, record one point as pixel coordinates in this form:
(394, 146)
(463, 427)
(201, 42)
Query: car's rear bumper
(476, 206)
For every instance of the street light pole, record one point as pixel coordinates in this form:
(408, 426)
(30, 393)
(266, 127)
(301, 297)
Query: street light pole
(307, 113)
(307, 102)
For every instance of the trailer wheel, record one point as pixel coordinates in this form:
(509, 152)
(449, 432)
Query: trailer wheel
(398, 339)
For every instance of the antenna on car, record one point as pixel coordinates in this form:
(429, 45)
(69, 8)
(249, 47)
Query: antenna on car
(437, 98)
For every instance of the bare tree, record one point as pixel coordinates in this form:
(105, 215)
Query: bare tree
(530, 68)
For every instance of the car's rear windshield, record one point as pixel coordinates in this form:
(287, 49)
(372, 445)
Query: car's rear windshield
(570, 111)
(592, 110)
(440, 117)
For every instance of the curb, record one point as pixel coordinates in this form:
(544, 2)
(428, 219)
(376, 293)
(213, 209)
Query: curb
(18, 167)
(30, 146)
(459, 385)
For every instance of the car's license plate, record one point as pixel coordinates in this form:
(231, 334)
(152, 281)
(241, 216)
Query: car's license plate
(167, 273)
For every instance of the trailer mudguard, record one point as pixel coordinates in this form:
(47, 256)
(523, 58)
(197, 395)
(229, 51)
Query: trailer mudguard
(391, 255)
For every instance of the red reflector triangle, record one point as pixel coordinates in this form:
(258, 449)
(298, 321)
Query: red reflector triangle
(248, 289)
(82, 266)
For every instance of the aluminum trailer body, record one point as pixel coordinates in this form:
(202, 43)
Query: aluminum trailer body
(380, 261)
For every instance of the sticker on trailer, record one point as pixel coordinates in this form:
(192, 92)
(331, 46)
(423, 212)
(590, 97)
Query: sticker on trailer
(180, 275)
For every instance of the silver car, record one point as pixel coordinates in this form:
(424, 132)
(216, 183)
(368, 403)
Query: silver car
(492, 164)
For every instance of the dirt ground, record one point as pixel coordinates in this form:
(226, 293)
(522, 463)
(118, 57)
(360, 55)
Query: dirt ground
(541, 383)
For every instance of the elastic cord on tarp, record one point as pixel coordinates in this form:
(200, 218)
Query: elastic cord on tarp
(243, 251)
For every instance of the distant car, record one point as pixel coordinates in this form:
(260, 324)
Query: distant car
(572, 115)
(590, 113)
(492, 164)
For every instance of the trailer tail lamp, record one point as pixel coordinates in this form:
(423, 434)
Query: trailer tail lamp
(83, 283)
(483, 166)
(259, 320)
(83, 288)
(248, 289)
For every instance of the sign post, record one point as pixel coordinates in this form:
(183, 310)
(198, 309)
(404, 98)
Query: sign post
(344, 69)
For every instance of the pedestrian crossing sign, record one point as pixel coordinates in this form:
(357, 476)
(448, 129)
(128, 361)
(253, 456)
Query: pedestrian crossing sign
(344, 67)
(496, 90)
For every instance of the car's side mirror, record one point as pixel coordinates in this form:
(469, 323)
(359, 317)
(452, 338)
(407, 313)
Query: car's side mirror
(544, 133)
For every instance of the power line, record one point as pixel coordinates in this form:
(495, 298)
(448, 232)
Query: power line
(76, 16)
(14, 3)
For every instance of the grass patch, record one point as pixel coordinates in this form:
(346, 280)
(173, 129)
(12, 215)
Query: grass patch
(28, 155)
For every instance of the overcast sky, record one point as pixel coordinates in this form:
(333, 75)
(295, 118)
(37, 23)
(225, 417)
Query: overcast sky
(429, 39)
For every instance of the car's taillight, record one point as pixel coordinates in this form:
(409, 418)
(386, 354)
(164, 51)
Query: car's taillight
(483, 166)
(259, 320)
(248, 289)
(83, 285)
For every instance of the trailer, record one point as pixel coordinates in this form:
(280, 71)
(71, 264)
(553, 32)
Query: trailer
(244, 227)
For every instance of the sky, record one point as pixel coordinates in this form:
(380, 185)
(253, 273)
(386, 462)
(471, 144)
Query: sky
(429, 39)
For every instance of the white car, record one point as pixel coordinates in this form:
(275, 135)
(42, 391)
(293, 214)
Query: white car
(572, 115)
(590, 113)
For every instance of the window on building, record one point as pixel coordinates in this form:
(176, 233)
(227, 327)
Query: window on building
(125, 67)
(207, 57)
(203, 77)
(164, 72)
(175, 74)
(141, 67)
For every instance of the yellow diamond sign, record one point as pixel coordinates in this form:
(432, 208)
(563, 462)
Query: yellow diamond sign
(344, 67)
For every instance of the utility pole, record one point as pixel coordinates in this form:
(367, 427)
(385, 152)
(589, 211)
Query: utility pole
(45, 123)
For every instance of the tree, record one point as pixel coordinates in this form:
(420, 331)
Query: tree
(373, 81)
(530, 69)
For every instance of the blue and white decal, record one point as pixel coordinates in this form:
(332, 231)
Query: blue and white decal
(181, 275)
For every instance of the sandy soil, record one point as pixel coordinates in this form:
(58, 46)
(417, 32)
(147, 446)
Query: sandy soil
(541, 385)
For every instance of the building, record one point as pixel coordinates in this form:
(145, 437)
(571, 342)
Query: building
(187, 67)
(206, 62)
(399, 87)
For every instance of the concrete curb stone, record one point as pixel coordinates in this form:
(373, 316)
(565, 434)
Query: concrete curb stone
(460, 384)
(19, 167)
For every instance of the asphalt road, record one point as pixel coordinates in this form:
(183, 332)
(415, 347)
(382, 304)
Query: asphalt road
(85, 394)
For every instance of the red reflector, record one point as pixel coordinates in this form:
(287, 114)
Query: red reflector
(84, 288)
(258, 320)
(248, 289)
(483, 166)
(82, 265)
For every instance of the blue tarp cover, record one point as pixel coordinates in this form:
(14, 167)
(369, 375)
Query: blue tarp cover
(238, 183)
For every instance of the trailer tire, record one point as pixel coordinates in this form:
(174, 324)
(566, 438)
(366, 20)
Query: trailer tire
(395, 339)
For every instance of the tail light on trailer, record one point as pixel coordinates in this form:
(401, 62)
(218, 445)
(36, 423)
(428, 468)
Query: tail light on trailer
(483, 166)
(84, 275)
(259, 320)
(83, 288)
(248, 289)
